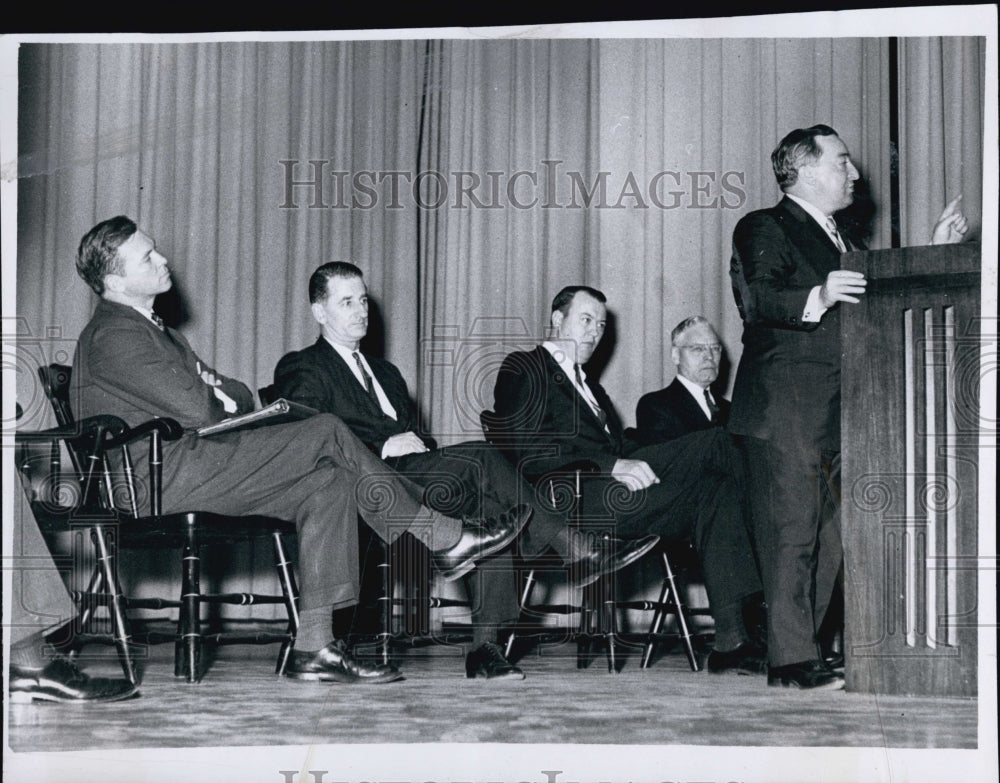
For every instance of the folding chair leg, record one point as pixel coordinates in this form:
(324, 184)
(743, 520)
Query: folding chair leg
(116, 604)
(656, 624)
(529, 586)
(290, 593)
(682, 618)
(187, 649)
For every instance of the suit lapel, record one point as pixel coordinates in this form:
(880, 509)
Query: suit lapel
(689, 406)
(819, 250)
(574, 398)
(346, 381)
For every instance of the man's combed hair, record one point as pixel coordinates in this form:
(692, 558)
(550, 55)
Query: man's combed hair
(794, 150)
(317, 283)
(687, 323)
(564, 298)
(97, 255)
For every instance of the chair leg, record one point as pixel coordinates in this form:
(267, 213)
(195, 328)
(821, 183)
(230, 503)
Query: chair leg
(187, 649)
(116, 603)
(529, 586)
(290, 593)
(656, 624)
(386, 602)
(609, 621)
(585, 633)
(670, 591)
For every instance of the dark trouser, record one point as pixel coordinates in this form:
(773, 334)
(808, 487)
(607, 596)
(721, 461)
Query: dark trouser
(794, 500)
(474, 479)
(315, 472)
(698, 496)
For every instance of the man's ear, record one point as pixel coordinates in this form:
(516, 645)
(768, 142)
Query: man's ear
(675, 355)
(318, 312)
(112, 282)
(557, 319)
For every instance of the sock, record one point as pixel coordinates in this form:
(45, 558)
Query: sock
(435, 530)
(315, 629)
(30, 653)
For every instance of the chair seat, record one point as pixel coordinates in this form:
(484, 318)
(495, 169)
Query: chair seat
(170, 531)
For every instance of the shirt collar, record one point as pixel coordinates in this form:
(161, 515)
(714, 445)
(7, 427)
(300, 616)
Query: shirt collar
(147, 314)
(345, 353)
(560, 356)
(812, 210)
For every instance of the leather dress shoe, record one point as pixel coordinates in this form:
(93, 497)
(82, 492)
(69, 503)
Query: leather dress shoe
(60, 680)
(813, 674)
(479, 540)
(335, 664)
(835, 661)
(615, 555)
(488, 661)
(748, 658)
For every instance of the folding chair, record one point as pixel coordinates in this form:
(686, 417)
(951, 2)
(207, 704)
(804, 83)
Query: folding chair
(599, 607)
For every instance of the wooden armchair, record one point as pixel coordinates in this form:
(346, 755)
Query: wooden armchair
(112, 495)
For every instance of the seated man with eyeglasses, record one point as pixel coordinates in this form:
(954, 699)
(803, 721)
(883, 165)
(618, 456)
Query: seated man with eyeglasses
(687, 405)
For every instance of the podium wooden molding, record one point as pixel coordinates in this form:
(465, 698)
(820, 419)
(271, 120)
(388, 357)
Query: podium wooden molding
(910, 482)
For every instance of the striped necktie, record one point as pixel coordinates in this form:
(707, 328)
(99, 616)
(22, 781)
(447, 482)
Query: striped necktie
(369, 386)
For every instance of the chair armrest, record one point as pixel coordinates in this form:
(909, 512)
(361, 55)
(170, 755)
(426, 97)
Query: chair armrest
(167, 428)
(82, 428)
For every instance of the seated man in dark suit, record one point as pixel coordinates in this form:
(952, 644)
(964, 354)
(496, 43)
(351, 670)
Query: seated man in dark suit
(686, 405)
(371, 397)
(677, 489)
(314, 471)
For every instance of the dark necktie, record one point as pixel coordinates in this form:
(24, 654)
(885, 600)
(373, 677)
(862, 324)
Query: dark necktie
(712, 407)
(369, 386)
(157, 320)
(598, 411)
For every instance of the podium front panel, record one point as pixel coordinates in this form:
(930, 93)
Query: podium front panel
(910, 483)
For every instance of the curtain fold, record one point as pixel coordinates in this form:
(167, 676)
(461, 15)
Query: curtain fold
(941, 94)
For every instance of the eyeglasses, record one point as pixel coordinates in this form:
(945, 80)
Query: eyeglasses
(714, 350)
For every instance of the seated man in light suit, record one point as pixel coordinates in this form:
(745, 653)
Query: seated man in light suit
(686, 405)
(314, 471)
(684, 488)
(371, 397)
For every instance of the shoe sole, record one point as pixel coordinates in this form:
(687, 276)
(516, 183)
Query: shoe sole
(345, 679)
(631, 558)
(27, 697)
(508, 676)
(835, 684)
(467, 565)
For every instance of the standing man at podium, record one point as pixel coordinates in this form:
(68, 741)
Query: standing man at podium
(789, 289)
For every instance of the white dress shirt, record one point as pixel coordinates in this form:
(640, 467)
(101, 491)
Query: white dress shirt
(568, 366)
(698, 393)
(348, 356)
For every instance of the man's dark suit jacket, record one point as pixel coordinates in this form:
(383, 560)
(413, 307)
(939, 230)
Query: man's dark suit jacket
(672, 412)
(788, 382)
(555, 426)
(319, 377)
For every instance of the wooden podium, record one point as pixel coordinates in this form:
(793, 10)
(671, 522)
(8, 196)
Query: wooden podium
(910, 483)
